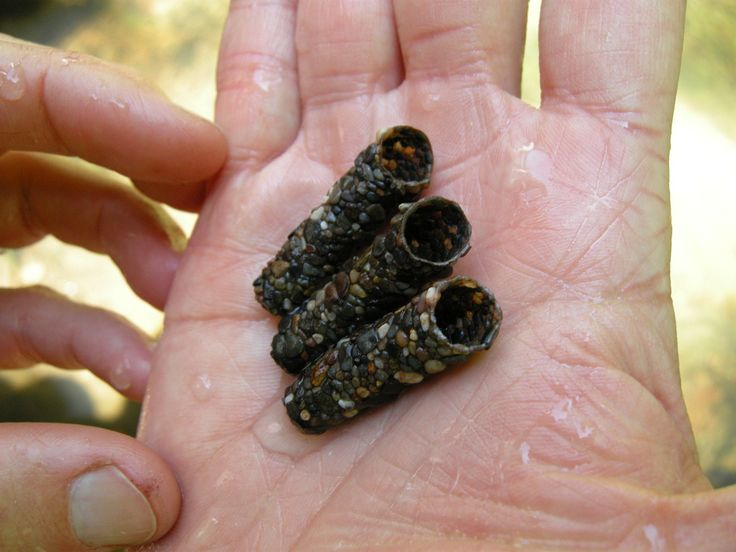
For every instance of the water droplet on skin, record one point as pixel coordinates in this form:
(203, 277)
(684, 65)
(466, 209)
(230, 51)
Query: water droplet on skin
(524, 450)
(224, 478)
(583, 431)
(12, 81)
(619, 118)
(276, 433)
(206, 531)
(561, 410)
(430, 94)
(656, 542)
(265, 80)
(202, 389)
(526, 147)
(120, 104)
(620, 122)
(430, 100)
(533, 173)
(120, 377)
(539, 165)
(71, 57)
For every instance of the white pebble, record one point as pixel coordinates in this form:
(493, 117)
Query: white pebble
(317, 213)
(424, 321)
(431, 292)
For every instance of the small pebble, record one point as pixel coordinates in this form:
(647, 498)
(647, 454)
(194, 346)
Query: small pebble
(408, 377)
(424, 321)
(433, 366)
(401, 339)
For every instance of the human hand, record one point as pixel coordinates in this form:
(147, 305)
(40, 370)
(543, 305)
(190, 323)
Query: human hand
(62, 484)
(571, 432)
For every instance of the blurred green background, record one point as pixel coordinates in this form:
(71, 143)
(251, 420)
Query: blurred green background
(174, 43)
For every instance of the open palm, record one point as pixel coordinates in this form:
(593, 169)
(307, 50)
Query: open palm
(571, 431)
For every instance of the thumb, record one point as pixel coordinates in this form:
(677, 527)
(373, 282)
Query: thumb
(66, 487)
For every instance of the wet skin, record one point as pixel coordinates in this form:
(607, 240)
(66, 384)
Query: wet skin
(571, 432)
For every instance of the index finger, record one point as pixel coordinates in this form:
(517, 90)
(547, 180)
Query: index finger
(73, 104)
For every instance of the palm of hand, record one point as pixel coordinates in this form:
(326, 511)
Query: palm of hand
(571, 430)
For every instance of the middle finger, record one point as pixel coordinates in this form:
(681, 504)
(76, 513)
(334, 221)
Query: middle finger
(346, 49)
(348, 52)
(478, 39)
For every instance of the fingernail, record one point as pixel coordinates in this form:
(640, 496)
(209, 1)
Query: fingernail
(106, 509)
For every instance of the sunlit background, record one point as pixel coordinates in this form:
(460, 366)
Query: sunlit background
(174, 43)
